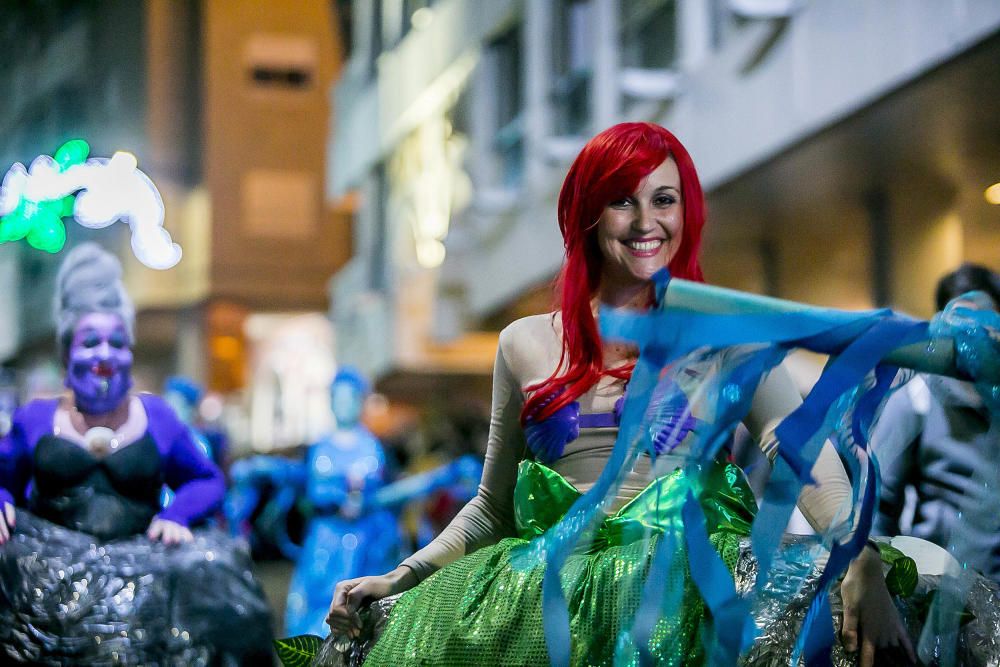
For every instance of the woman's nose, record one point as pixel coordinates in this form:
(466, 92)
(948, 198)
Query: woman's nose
(644, 220)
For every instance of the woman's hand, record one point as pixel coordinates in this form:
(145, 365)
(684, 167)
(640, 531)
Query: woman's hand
(7, 521)
(168, 532)
(869, 612)
(350, 594)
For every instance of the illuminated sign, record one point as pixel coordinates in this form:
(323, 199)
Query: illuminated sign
(96, 192)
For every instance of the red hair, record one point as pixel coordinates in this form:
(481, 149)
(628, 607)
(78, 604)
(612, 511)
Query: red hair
(609, 167)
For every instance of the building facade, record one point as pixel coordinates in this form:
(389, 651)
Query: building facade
(843, 145)
(226, 105)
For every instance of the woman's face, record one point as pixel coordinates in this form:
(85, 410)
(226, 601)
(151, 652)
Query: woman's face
(99, 367)
(639, 234)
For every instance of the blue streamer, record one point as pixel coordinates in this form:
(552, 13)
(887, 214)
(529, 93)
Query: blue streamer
(861, 339)
(713, 580)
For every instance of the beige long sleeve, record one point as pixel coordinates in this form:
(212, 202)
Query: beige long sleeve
(489, 516)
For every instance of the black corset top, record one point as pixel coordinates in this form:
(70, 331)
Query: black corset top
(110, 497)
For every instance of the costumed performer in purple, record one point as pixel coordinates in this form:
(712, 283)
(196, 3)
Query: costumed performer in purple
(92, 568)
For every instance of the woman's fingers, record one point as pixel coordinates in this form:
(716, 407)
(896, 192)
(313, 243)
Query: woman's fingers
(348, 596)
(356, 597)
(169, 532)
(339, 616)
(7, 522)
(867, 653)
(155, 530)
(849, 629)
(340, 592)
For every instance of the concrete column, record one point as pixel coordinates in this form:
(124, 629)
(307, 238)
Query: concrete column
(483, 121)
(876, 203)
(537, 65)
(10, 310)
(606, 98)
(191, 350)
(695, 32)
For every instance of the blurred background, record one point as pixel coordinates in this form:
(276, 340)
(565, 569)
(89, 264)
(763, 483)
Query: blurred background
(374, 182)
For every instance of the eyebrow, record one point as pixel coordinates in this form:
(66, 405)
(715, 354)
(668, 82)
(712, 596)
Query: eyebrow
(666, 187)
(96, 330)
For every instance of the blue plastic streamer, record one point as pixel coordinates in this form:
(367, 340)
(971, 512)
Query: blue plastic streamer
(663, 336)
(799, 433)
(713, 580)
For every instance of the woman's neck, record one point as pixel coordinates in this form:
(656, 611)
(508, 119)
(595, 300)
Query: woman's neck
(635, 296)
(113, 420)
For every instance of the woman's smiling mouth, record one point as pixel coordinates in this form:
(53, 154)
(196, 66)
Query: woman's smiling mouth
(103, 370)
(643, 247)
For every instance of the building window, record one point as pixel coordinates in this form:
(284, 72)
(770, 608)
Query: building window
(289, 77)
(344, 18)
(572, 58)
(725, 23)
(286, 62)
(375, 47)
(648, 34)
(504, 58)
(281, 204)
(415, 13)
(379, 278)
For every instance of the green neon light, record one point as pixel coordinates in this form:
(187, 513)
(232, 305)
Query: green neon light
(41, 222)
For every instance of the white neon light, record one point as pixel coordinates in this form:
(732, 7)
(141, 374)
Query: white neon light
(108, 190)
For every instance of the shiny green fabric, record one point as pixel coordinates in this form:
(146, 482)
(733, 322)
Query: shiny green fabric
(482, 610)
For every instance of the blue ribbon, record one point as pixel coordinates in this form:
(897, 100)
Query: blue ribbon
(861, 339)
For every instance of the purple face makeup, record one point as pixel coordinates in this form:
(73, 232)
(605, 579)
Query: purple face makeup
(99, 367)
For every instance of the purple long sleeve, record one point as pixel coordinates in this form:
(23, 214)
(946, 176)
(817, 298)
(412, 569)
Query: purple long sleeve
(30, 421)
(13, 479)
(198, 483)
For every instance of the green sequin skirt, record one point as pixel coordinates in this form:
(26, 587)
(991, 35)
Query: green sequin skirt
(484, 610)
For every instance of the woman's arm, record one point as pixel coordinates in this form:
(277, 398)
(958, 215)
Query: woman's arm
(489, 516)
(15, 464)
(15, 471)
(197, 482)
(870, 622)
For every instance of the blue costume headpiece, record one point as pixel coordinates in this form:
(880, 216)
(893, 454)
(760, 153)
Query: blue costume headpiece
(353, 376)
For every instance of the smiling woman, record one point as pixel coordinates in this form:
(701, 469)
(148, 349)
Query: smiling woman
(90, 467)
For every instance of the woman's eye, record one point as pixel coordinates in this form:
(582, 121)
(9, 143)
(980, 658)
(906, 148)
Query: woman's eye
(117, 341)
(621, 203)
(664, 200)
(91, 340)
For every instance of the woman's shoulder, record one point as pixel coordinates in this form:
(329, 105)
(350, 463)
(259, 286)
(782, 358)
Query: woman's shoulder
(531, 345)
(529, 331)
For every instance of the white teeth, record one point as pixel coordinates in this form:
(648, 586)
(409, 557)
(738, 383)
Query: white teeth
(644, 245)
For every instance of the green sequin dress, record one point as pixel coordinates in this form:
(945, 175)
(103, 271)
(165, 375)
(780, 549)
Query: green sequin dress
(483, 610)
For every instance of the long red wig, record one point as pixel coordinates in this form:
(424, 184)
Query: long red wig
(609, 167)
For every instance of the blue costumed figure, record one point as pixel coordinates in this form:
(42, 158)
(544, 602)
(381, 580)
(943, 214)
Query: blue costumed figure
(346, 533)
(351, 526)
(183, 394)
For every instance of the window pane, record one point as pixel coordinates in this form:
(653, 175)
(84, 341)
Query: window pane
(649, 33)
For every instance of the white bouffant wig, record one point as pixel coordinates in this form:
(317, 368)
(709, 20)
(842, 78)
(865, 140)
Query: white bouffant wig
(89, 281)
